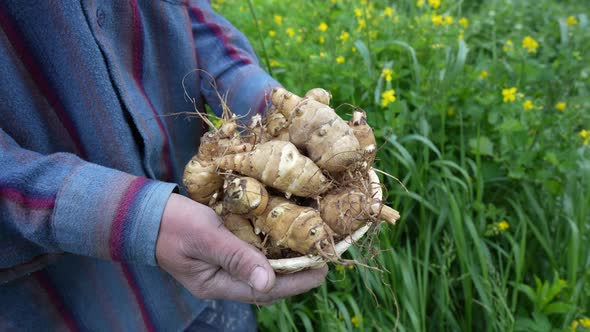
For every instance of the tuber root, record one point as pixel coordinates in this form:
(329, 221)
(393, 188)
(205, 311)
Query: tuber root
(318, 131)
(201, 180)
(246, 196)
(277, 126)
(364, 134)
(280, 165)
(295, 227)
(347, 209)
(242, 228)
(320, 95)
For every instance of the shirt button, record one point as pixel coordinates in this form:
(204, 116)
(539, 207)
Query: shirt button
(100, 17)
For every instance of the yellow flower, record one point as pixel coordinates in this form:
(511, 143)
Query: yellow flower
(322, 39)
(437, 20)
(448, 20)
(358, 12)
(574, 325)
(420, 3)
(561, 106)
(528, 105)
(530, 44)
(503, 225)
(434, 3)
(353, 49)
(274, 63)
(272, 33)
(344, 36)
(356, 321)
(388, 12)
(585, 135)
(509, 94)
(278, 19)
(362, 24)
(483, 74)
(323, 27)
(340, 268)
(299, 39)
(585, 322)
(290, 32)
(387, 97)
(464, 22)
(340, 59)
(571, 21)
(508, 46)
(322, 55)
(387, 73)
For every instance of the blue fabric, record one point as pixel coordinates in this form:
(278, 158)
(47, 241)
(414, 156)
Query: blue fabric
(95, 130)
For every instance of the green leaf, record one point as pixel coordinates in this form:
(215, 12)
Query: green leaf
(365, 54)
(558, 308)
(510, 125)
(528, 291)
(423, 140)
(483, 146)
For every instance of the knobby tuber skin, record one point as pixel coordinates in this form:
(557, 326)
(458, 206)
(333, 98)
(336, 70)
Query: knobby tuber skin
(317, 130)
(347, 209)
(280, 165)
(201, 180)
(245, 195)
(319, 94)
(365, 136)
(242, 228)
(277, 126)
(344, 211)
(295, 227)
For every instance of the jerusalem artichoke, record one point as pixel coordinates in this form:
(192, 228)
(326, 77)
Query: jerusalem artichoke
(280, 165)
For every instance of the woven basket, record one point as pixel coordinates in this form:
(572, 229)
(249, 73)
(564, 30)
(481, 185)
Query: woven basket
(296, 264)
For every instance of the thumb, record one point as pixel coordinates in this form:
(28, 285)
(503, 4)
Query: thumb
(242, 261)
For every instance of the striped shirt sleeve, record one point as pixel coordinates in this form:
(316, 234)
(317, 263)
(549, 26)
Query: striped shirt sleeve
(229, 68)
(59, 203)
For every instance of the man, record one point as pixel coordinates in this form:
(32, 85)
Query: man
(95, 132)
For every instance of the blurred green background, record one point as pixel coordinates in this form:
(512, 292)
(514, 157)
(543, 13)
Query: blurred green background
(482, 110)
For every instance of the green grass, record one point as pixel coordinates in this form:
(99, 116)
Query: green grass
(473, 163)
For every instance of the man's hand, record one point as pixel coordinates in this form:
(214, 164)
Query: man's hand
(212, 263)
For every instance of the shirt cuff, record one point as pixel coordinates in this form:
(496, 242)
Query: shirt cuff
(105, 213)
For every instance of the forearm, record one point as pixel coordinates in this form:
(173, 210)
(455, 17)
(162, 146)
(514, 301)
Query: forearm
(51, 204)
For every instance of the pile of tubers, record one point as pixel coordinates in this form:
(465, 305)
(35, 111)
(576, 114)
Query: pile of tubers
(292, 183)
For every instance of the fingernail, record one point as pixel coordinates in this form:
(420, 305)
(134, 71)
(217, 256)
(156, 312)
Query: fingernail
(258, 278)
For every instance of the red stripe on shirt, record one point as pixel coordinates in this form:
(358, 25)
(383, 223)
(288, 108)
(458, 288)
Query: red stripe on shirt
(118, 227)
(28, 201)
(56, 300)
(138, 76)
(149, 326)
(231, 51)
(18, 44)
